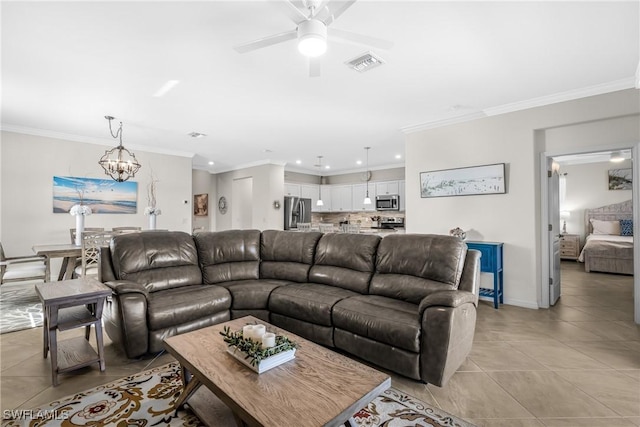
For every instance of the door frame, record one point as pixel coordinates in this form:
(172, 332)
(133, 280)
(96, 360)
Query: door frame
(545, 247)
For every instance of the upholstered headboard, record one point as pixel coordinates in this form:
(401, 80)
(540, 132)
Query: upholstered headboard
(614, 212)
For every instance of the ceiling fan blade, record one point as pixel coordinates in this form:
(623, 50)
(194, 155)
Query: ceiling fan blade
(314, 67)
(328, 16)
(321, 8)
(359, 38)
(266, 41)
(290, 10)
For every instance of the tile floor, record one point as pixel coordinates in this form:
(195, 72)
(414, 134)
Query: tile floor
(576, 364)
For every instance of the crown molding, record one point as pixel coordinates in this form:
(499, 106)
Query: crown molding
(569, 95)
(443, 122)
(599, 89)
(89, 140)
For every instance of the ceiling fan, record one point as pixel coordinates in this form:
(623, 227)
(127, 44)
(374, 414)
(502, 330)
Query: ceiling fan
(312, 30)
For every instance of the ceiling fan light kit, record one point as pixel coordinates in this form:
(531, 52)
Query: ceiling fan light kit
(311, 32)
(312, 38)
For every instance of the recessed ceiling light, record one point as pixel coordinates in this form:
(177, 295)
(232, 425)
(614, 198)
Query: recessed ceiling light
(266, 150)
(358, 162)
(298, 162)
(211, 163)
(398, 156)
(166, 88)
(197, 134)
(327, 167)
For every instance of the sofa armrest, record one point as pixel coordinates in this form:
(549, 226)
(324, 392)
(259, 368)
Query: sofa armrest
(126, 287)
(447, 299)
(125, 317)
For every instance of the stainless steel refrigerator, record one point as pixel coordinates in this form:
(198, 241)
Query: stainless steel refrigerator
(296, 209)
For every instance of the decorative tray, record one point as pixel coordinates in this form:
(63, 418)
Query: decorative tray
(265, 364)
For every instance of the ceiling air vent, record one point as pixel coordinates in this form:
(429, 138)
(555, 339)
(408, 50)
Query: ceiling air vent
(196, 135)
(365, 62)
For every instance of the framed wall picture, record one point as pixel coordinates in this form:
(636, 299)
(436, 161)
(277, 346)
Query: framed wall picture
(201, 204)
(101, 195)
(486, 179)
(620, 179)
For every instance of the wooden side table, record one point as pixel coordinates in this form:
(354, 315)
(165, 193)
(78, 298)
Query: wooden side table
(491, 262)
(71, 304)
(569, 246)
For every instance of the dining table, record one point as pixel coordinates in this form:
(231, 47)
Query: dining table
(68, 252)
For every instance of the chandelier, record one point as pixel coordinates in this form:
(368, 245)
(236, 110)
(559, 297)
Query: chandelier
(119, 163)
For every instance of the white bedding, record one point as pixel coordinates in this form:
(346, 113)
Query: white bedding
(596, 239)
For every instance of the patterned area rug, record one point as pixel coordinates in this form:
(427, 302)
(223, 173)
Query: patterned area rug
(147, 398)
(20, 309)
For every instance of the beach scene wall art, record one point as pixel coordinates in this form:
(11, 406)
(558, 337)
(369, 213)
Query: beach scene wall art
(487, 179)
(102, 195)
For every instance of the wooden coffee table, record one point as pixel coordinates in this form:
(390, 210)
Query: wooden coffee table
(317, 388)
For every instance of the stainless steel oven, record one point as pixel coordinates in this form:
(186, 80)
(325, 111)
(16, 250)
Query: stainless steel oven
(390, 202)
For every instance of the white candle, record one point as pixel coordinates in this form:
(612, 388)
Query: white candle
(247, 332)
(258, 331)
(269, 340)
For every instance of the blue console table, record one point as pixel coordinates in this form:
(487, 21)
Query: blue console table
(491, 262)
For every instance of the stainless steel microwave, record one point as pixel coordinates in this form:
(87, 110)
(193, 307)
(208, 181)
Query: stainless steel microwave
(390, 202)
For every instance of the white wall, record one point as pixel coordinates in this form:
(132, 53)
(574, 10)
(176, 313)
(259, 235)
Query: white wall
(268, 186)
(516, 139)
(588, 188)
(28, 164)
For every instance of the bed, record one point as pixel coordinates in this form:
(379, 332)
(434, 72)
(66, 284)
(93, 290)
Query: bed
(605, 249)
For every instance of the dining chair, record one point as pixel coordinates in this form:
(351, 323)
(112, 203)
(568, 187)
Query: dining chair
(73, 232)
(304, 226)
(92, 241)
(21, 268)
(326, 227)
(350, 228)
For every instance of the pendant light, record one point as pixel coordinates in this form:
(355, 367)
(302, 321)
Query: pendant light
(320, 202)
(119, 163)
(367, 200)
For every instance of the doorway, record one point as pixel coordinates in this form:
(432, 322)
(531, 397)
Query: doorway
(241, 207)
(575, 211)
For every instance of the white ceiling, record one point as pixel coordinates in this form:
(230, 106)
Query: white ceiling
(65, 65)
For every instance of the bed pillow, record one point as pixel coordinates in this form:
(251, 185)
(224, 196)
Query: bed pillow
(626, 227)
(605, 227)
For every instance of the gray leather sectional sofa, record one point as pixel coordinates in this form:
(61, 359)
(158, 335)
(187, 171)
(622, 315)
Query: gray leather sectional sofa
(406, 303)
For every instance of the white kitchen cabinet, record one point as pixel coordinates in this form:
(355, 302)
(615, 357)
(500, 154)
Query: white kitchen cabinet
(325, 193)
(341, 198)
(311, 191)
(402, 193)
(291, 189)
(387, 187)
(359, 191)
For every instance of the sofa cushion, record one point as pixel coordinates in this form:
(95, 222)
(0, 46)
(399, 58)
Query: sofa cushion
(287, 255)
(345, 260)
(410, 267)
(186, 304)
(307, 301)
(156, 259)
(252, 294)
(381, 319)
(229, 255)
